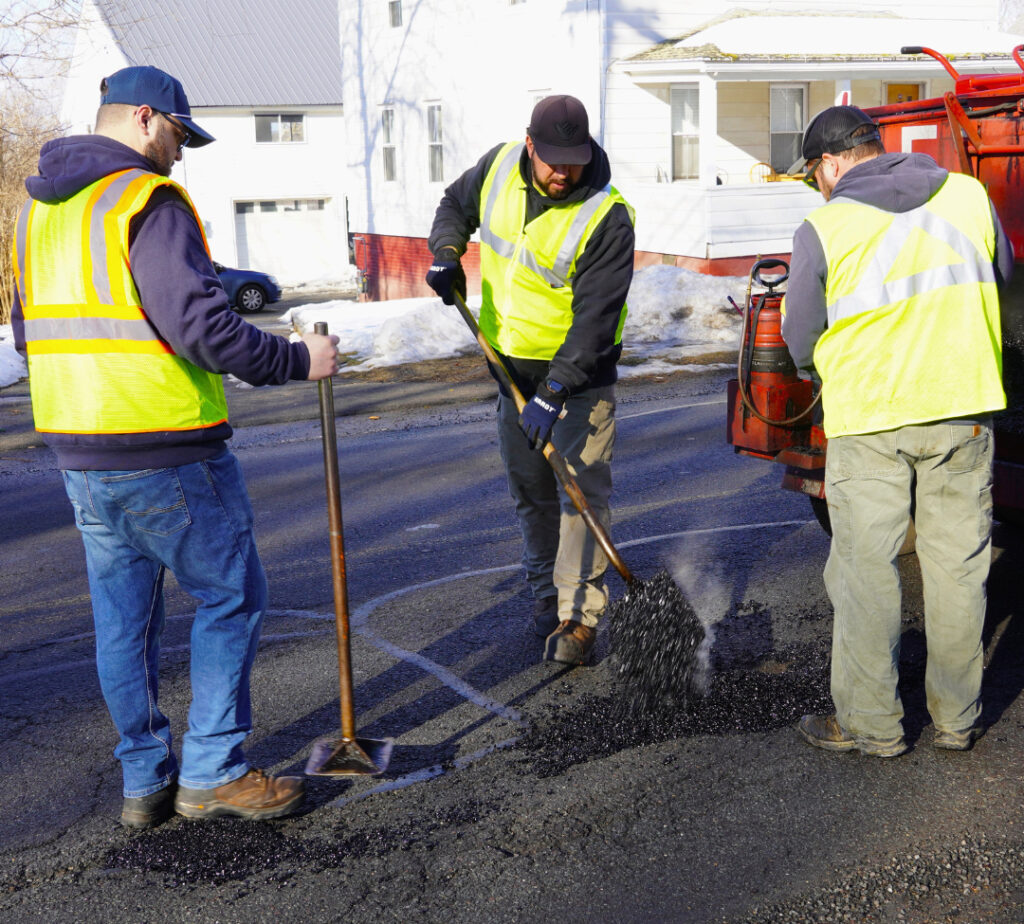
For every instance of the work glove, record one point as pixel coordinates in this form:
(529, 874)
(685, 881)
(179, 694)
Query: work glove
(446, 275)
(541, 412)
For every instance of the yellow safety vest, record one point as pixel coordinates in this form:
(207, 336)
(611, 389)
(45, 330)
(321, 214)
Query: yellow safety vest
(913, 313)
(96, 364)
(528, 271)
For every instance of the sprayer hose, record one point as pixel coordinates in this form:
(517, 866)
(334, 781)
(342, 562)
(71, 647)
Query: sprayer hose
(740, 376)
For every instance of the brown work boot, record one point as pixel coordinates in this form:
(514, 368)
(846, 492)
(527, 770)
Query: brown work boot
(571, 643)
(254, 796)
(824, 731)
(956, 740)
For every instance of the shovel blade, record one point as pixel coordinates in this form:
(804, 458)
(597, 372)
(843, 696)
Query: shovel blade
(349, 757)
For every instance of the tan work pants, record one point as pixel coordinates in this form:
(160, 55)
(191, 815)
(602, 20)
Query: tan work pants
(868, 482)
(560, 554)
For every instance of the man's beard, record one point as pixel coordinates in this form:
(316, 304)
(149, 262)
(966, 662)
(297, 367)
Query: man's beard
(157, 156)
(560, 193)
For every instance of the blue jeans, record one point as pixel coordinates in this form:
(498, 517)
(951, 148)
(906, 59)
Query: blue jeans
(195, 520)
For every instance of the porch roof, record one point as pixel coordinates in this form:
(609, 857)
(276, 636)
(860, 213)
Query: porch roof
(748, 45)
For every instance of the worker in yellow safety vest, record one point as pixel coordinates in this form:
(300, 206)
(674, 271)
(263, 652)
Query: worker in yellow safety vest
(893, 307)
(127, 332)
(556, 261)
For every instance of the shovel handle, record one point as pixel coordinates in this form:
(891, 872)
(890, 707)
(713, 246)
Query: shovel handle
(554, 457)
(330, 441)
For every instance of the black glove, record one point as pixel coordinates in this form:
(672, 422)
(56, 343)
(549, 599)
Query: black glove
(541, 412)
(446, 275)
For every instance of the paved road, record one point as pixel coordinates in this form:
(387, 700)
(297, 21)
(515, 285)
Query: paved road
(517, 790)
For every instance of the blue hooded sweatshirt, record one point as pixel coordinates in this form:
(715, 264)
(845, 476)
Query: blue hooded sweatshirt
(182, 297)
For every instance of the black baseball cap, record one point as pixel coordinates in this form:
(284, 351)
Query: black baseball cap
(150, 86)
(832, 131)
(560, 131)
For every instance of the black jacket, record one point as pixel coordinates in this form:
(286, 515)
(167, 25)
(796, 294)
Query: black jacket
(604, 271)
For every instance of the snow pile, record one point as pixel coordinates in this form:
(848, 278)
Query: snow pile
(345, 277)
(670, 306)
(402, 330)
(12, 365)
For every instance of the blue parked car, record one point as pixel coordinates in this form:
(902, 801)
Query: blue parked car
(248, 290)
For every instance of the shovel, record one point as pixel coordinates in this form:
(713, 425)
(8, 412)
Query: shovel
(347, 755)
(554, 457)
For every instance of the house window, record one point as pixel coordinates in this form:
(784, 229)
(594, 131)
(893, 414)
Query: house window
(685, 132)
(788, 105)
(279, 127)
(395, 12)
(435, 146)
(280, 205)
(387, 128)
(303, 205)
(903, 92)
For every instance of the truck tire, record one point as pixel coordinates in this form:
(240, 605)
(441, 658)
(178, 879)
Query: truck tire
(820, 507)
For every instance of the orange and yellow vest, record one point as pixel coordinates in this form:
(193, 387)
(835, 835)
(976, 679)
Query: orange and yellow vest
(96, 363)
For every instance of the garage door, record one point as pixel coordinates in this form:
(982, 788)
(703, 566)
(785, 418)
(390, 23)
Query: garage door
(297, 240)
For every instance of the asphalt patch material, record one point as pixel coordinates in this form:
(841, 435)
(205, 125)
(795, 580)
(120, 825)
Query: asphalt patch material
(772, 694)
(232, 850)
(656, 642)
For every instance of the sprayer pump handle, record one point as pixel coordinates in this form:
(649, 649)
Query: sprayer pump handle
(770, 263)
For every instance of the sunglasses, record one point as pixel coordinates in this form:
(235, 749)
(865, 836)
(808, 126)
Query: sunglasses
(809, 174)
(184, 135)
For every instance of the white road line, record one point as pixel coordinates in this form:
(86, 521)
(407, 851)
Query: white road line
(450, 680)
(361, 615)
(675, 407)
(358, 622)
(711, 529)
(421, 776)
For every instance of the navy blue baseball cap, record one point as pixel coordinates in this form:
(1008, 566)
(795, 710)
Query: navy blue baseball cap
(150, 86)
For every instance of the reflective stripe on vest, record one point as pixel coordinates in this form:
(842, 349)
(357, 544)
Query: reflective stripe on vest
(96, 364)
(913, 313)
(528, 270)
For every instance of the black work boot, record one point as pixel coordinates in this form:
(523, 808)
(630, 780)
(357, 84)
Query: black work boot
(254, 796)
(148, 811)
(545, 616)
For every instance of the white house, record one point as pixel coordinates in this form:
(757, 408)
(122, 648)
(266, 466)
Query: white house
(700, 106)
(264, 78)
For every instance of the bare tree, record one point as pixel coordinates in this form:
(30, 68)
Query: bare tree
(34, 39)
(35, 44)
(24, 128)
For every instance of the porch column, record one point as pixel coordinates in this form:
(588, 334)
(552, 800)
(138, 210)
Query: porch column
(707, 89)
